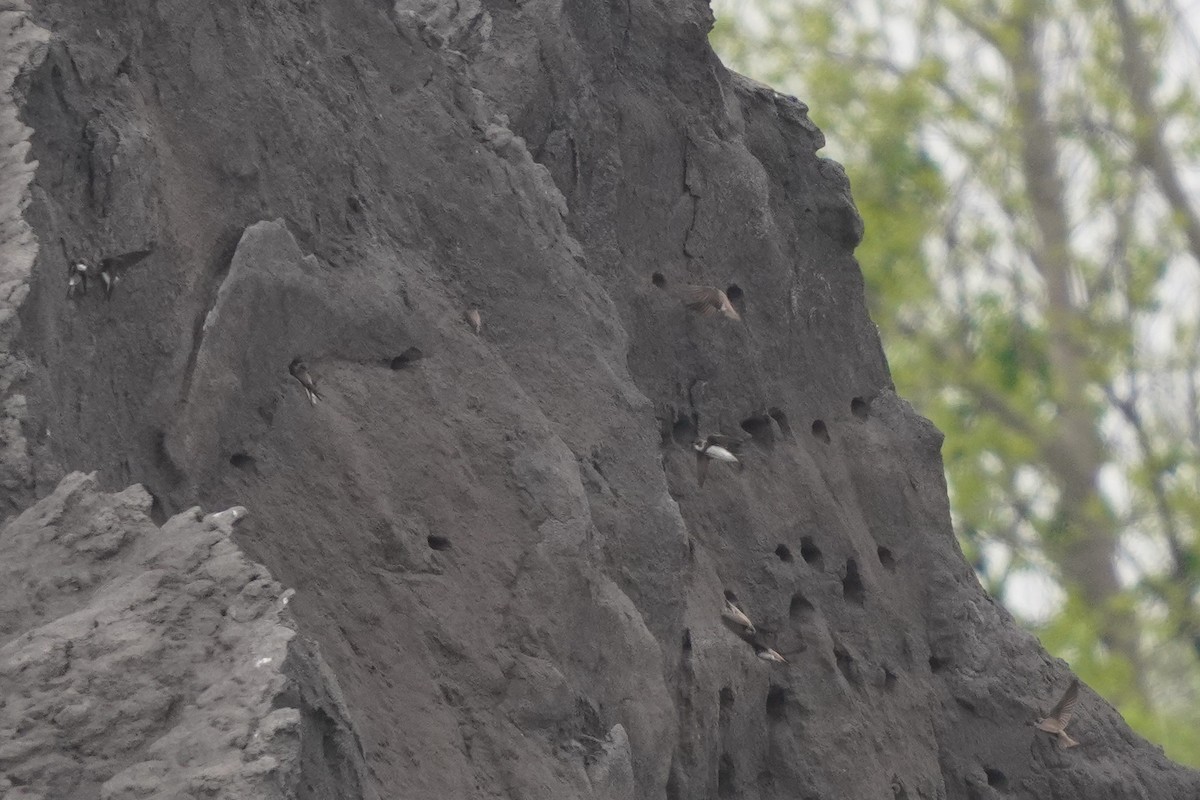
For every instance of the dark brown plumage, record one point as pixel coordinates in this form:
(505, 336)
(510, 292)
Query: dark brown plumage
(111, 266)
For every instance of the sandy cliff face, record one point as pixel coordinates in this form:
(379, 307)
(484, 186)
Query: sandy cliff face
(501, 548)
(141, 661)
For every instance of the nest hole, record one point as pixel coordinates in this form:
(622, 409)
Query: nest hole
(995, 777)
(938, 663)
(889, 679)
(781, 420)
(887, 559)
(726, 697)
(725, 776)
(658, 279)
(406, 359)
(852, 585)
(760, 430)
(665, 432)
(777, 703)
(731, 596)
(437, 542)
(799, 607)
(810, 552)
(684, 430)
(860, 408)
(820, 431)
(846, 666)
(734, 293)
(242, 461)
(158, 509)
(687, 640)
(785, 554)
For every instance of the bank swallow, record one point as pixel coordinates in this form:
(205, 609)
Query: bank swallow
(111, 266)
(712, 447)
(705, 300)
(736, 620)
(300, 372)
(709, 300)
(767, 654)
(1060, 716)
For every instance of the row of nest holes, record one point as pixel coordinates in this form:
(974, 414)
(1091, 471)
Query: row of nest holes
(778, 697)
(685, 429)
(812, 555)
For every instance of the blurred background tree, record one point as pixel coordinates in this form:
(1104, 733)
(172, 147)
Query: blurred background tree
(1028, 175)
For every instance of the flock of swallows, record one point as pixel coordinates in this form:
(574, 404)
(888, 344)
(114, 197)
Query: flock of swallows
(1055, 723)
(736, 620)
(709, 300)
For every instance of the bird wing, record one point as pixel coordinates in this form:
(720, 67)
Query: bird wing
(737, 615)
(730, 443)
(701, 467)
(125, 260)
(705, 299)
(1066, 706)
(727, 308)
(300, 372)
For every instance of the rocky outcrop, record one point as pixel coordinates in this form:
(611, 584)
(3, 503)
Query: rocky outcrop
(501, 548)
(23, 45)
(138, 661)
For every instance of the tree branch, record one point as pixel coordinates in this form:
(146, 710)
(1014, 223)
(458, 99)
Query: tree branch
(1150, 143)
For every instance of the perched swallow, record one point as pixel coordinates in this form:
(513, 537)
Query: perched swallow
(110, 282)
(736, 620)
(77, 274)
(77, 281)
(300, 372)
(708, 449)
(1060, 716)
(767, 654)
(110, 266)
(475, 319)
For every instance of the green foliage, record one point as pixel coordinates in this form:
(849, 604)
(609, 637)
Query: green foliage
(1033, 273)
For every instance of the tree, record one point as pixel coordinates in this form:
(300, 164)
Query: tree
(1032, 258)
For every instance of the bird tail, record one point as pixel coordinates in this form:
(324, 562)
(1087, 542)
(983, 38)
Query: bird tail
(1067, 741)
